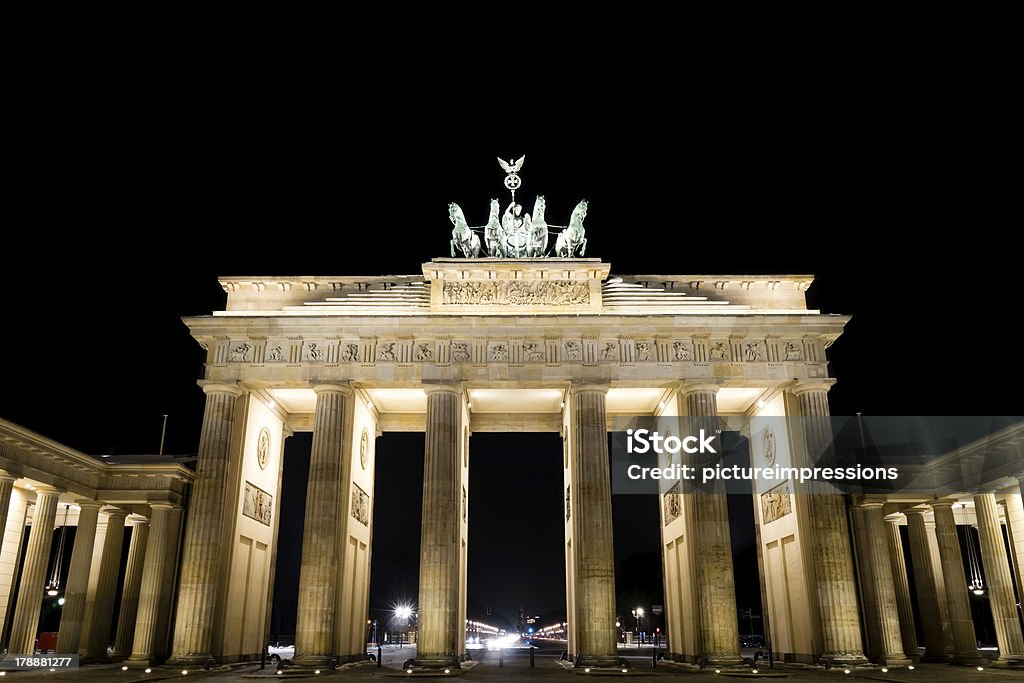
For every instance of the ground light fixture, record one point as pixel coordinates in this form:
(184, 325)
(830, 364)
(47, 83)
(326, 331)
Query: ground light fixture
(124, 668)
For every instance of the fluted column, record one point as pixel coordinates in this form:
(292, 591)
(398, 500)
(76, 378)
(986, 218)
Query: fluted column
(98, 633)
(901, 586)
(876, 554)
(33, 573)
(155, 592)
(926, 585)
(716, 588)
(203, 551)
(965, 643)
(314, 630)
(1014, 502)
(437, 644)
(940, 584)
(595, 564)
(130, 593)
(1000, 584)
(78, 577)
(830, 536)
(6, 487)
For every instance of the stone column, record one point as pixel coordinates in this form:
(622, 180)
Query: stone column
(33, 573)
(78, 577)
(716, 589)
(835, 584)
(595, 565)
(155, 592)
(130, 593)
(1014, 502)
(877, 555)
(314, 630)
(203, 551)
(1000, 584)
(98, 634)
(6, 486)
(898, 563)
(965, 642)
(926, 587)
(940, 584)
(437, 644)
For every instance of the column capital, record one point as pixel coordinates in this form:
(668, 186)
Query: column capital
(162, 505)
(332, 387)
(88, 503)
(446, 387)
(688, 387)
(803, 386)
(918, 512)
(210, 387)
(870, 504)
(114, 512)
(935, 504)
(46, 488)
(894, 518)
(581, 387)
(7, 476)
(136, 520)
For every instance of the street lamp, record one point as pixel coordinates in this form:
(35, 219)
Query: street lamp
(639, 614)
(402, 612)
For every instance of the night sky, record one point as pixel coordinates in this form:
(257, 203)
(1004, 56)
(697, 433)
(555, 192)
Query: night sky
(96, 351)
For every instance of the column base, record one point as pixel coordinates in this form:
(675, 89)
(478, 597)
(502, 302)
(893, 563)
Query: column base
(844, 659)
(313, 661)
(940, 658)
(722, 660)
(1008, 662)
(969, 660)
(191, 661)
(597, 661)
(93, 659)
(895, 660)
(140, 663)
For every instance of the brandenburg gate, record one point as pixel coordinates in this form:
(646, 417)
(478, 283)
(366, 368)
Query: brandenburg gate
(475, 345)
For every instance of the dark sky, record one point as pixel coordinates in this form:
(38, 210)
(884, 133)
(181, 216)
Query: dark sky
(125, 224)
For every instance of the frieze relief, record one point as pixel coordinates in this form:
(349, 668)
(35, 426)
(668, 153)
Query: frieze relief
(776, 504)
(516, 293)
(516, 350)
(360, 505)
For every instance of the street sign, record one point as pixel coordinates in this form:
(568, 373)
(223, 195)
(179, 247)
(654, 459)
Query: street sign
(657, 609)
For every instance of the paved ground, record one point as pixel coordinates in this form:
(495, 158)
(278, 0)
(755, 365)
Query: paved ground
(515, 666)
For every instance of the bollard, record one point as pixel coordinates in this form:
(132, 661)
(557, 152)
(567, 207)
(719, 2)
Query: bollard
(654, 657)
(501, 658)
(532, 648)
(380, 658)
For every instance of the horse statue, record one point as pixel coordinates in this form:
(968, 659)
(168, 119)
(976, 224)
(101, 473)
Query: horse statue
(462, 237)
(538, 244)
(494, 235)
(574, 236)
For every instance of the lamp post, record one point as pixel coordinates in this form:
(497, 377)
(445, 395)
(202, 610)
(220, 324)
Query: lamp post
(639, 614)
(402, 613)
